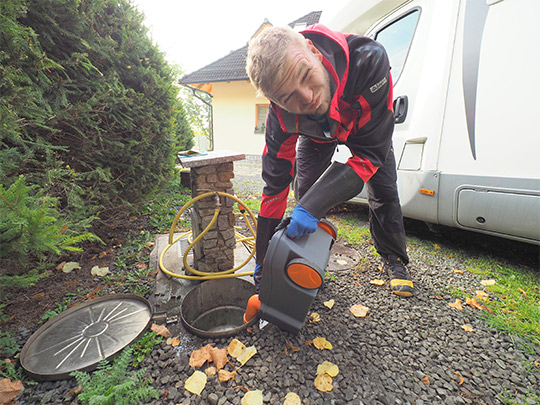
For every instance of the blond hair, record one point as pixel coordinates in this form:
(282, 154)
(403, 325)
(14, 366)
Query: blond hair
(267, 54)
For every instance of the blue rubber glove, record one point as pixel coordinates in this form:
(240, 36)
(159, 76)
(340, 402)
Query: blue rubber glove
(257, 277)
(302, 223)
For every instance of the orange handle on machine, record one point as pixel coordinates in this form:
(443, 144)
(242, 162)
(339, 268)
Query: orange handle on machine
(252, 308)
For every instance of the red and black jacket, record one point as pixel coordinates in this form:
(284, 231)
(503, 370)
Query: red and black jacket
(360, 116)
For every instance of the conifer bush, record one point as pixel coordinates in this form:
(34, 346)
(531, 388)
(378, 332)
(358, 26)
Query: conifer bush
(89, 113)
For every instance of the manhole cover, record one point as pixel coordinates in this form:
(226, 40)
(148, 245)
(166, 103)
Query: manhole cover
(342, 258)
(80, 337)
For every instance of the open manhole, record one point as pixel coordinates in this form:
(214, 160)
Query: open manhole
(78, 338)
(215, 308)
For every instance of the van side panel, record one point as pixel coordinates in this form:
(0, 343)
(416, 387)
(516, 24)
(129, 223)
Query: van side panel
(489, 158)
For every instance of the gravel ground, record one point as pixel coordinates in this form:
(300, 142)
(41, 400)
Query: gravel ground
(406, 351)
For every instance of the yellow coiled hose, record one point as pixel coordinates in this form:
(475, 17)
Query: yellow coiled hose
(249, 241)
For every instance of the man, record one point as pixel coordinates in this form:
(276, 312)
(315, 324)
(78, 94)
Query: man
(326, 88)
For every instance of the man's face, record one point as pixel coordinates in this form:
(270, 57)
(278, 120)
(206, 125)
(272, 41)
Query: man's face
(305, 86)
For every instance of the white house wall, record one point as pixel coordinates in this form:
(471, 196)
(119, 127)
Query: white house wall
(234, 118)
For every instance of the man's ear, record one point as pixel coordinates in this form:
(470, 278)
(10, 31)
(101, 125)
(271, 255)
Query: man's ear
(313, 49)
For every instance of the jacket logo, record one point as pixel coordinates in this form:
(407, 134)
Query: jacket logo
(377, 86)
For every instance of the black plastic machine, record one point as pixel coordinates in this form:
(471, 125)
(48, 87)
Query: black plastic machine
(293, 272)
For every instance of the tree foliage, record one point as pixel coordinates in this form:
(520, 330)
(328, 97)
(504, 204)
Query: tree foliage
(89, 113)
(86, 98)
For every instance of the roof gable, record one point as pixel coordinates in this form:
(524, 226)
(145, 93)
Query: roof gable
(232, 67)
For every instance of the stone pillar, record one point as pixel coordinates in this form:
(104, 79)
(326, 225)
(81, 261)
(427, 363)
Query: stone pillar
(209, 173)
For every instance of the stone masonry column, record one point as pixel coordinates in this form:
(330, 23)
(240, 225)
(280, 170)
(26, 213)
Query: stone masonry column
(209, 173)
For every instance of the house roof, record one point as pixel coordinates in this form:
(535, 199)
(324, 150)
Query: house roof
(232, 67)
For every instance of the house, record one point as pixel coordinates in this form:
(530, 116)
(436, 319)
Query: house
(238, 115)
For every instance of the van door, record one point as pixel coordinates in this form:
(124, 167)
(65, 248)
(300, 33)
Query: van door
(419, 39)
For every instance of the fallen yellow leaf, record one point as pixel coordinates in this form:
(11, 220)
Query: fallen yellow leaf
(321, 343)
(522, 292)
(456, 304)
(457, 271)
(323, 382)
(329, 304)
(160, 330)
(315, 317)
(196, 382)
(328, 368)
(254, 397)
(70, 266)
(173, 341)
(292, 399)
(246, 354)
(488, 282)
(235, 348)
(425, 379)
(359, 310)
(467, 328)
(378, 282)
(224, 375)
(482, 295)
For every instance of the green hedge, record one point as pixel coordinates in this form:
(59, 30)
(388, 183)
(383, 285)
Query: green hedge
(89, 112)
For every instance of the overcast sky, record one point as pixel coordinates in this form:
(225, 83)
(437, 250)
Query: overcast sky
(195, 33)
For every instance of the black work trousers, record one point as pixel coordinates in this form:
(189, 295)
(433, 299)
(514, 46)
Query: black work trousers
(385, 216)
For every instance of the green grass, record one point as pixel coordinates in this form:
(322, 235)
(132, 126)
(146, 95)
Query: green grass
(349, 229)
(514, 298)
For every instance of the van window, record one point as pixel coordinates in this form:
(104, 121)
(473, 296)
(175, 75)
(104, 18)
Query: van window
(396, 39)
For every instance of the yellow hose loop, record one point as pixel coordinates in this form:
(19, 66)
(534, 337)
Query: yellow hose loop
(200, 275)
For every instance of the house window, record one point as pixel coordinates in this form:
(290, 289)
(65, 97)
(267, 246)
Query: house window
(260, 118)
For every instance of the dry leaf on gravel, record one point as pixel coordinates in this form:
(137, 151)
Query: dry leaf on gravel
(196, 382)
(456, 304)
(329, 304)
(425, 379)
(200, 356)
(321, 343)
(292, 347)
(473, 303)
(160, 330)
(488, 282)
(323, 382)
(174, 341)
(235, 348)
(292, 399)
(246, 355)
(459, 376)
(467, 328)
(482, 295)
(225, 375)
(359, 311)
(315, 317)
(328, 368)
(219, 357)
(457, 271)
(210, 371)
(9, 390)
(377, 282)
(254, 397)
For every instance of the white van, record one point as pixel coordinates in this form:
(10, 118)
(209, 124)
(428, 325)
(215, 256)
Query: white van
(467, 89)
